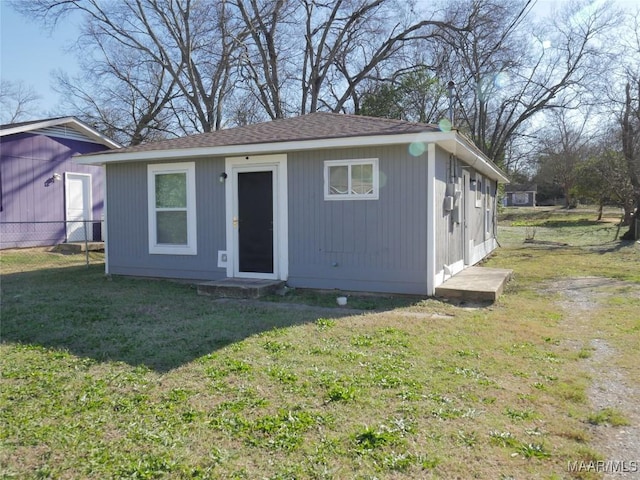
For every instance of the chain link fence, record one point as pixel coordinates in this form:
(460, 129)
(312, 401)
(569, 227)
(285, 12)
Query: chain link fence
(26, 246)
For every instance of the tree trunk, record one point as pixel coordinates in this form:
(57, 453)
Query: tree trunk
(600, 208)
(630, 120)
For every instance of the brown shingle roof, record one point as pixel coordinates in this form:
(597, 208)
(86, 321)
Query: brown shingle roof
(314, 126)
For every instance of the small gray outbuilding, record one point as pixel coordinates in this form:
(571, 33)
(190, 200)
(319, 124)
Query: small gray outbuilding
(523, 195)
(321, 200)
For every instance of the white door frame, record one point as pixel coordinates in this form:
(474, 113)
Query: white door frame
(87, 207)
(278, 165)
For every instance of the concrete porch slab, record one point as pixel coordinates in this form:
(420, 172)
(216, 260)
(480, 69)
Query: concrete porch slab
(476, 284)
(239, 287)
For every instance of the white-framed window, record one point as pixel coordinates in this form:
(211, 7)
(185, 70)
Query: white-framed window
(478, 190)
(351, 179)
(172, 208)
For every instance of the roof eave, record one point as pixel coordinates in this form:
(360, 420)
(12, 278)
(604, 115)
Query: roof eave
(466, 150)
(452, 142)
(258, 148)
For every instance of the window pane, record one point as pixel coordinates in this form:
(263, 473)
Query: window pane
(362, 179)
(520, 197)
(171, 228)
(171, 190)
(338, 180)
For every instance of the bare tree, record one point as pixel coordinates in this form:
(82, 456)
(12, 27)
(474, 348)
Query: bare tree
(504, 79)
(159, 67)
(603, 177)
(18, 101)
(630, 115)
(630, 124)
(262, 57)
(187, 46)
(391, 39)
(121, 93)
(210, 62)
(309, 55)
(333, 33)
(564, 149)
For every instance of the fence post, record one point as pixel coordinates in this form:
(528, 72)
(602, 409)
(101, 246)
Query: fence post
(86, 243)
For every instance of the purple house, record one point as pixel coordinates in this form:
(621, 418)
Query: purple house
(45, 197)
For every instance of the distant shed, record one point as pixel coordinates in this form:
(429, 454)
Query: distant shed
(520, 195)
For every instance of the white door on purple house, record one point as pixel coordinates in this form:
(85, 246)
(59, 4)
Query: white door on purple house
(78, 207)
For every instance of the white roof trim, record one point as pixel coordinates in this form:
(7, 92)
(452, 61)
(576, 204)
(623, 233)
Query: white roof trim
(71, 122)
(471, 155)
(450, 141)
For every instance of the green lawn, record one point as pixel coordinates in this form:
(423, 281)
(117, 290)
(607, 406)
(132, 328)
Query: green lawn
(126, 378)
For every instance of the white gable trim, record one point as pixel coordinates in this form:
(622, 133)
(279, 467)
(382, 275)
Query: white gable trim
(67, 127)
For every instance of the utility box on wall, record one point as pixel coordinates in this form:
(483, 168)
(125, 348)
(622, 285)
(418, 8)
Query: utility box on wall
(453, 201)
(448, 204)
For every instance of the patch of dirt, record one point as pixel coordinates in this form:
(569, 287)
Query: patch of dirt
(546, 242)
(611, 387)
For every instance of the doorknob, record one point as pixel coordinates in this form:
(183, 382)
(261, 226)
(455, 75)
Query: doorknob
(235, 222)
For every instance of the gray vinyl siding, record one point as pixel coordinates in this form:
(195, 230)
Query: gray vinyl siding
(442, 218)
(363, 245)
(127, 217)
(449, 234)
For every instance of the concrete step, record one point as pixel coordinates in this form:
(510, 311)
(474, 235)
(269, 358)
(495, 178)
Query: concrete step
(78, 247)
(475, 284)
(239, 288)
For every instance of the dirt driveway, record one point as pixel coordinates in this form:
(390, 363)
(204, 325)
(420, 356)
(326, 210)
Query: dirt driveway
(612, 386)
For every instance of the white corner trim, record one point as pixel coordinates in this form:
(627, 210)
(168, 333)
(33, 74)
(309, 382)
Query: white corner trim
(105, 221)
(431, 219)
(283, 219)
